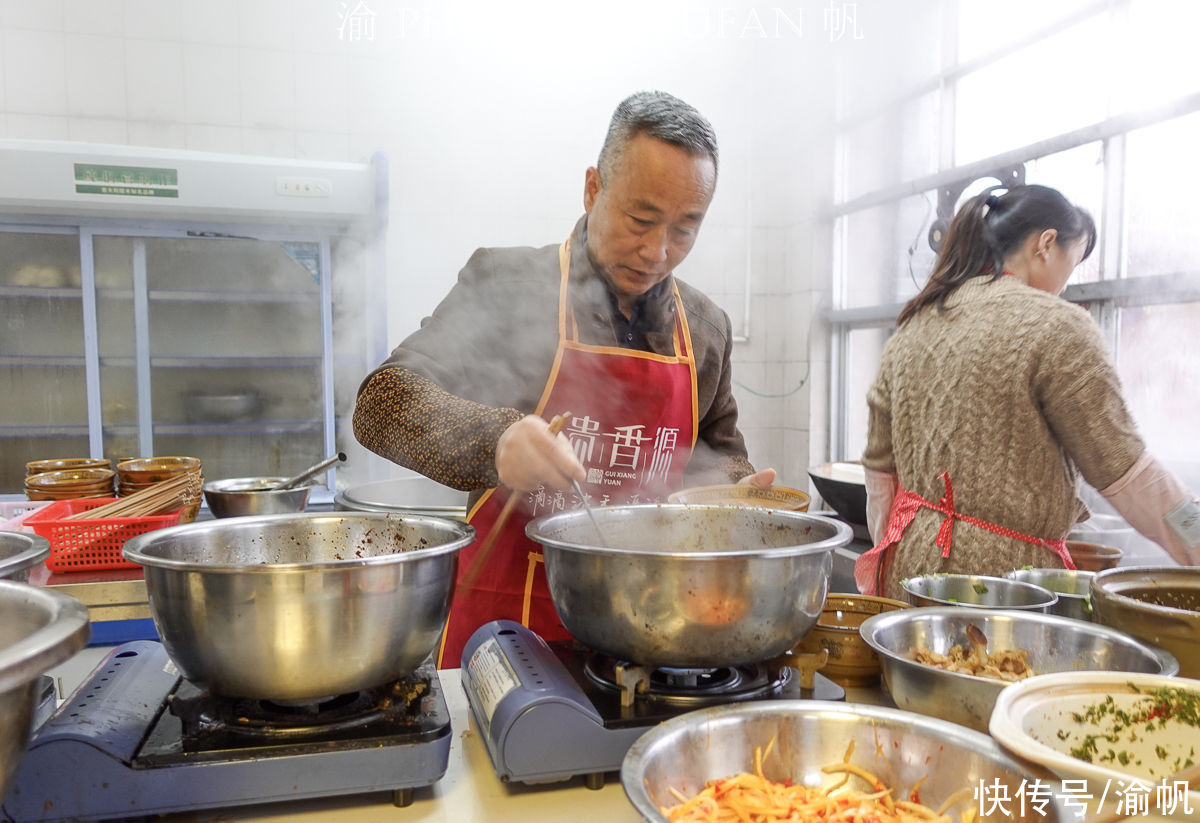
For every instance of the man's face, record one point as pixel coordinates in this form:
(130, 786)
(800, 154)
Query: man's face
(644, 218)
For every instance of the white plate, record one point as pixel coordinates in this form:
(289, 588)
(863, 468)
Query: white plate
(1035, 719)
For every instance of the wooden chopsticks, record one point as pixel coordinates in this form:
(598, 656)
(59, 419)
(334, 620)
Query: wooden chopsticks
(167, 495)
(476, 568)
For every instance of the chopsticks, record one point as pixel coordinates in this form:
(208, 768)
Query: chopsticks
(476, 568)
(167, 495)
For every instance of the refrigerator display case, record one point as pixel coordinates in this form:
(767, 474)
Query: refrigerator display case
(158, 302)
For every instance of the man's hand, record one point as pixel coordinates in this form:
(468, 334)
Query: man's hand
(763, 479)
(528, 454)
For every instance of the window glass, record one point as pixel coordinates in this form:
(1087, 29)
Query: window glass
(1161, 383)
(863, 350)
(1033, 94)
(886, 254)
(42, 382)
(985, 27)
(1079, 175)
(890, 148)
(1162, 211)
(1162, 63)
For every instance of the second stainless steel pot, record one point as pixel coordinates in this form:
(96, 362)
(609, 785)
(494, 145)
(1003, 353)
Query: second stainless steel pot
(299, 606)
(689, 586)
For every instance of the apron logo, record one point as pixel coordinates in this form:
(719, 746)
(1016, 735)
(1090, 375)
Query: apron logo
(621, 453)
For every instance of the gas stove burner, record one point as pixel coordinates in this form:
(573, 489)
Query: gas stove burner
(683, 686)
(518, 686)
(122, 735)
(232, 721)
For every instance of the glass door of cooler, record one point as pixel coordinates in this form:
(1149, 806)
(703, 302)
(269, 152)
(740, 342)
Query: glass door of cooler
(43, 373)
(214, 347)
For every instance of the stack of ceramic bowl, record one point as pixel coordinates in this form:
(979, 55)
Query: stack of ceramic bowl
(65, 463)
(67, 479)
(138, 473)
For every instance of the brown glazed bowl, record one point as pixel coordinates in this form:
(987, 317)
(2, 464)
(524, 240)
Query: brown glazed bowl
(1093, 557)
(1157, 604)
(851, 661)
(65, 464)
(138, 470)
(68, 484)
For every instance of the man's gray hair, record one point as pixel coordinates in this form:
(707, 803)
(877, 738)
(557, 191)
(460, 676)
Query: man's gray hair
(661, 116)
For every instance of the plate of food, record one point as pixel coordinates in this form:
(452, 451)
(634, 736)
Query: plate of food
(1110, 729)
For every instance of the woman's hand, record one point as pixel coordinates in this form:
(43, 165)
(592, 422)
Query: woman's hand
(527, 455)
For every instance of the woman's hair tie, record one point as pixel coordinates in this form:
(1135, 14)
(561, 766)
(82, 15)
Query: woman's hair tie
(992, 201)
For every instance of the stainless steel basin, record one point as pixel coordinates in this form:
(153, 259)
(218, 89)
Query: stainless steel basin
(902, 749)
(300, 606)
(1054, 644)
(19, 553)
(697, 586)
(39, 629)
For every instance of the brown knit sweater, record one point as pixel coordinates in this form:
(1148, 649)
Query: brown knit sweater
(1011, 391)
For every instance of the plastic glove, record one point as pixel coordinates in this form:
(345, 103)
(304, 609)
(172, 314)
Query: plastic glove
(1152, 499)
(881, 491)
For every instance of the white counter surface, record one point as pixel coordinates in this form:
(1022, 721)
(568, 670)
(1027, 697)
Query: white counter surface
(468, 791)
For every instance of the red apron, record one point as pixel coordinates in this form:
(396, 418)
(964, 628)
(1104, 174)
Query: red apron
(870, 568)
(633, 426)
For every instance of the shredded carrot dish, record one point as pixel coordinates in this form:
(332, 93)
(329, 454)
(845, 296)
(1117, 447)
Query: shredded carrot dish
(752, 798)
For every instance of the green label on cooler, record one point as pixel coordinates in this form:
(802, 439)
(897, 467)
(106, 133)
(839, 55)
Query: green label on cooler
(135, 181)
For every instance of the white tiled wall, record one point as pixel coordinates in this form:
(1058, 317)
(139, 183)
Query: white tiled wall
(489, 114)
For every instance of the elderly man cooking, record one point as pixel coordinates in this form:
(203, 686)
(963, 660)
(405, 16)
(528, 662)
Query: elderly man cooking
(597, 326)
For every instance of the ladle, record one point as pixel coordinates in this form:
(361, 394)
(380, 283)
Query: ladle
(309, 472)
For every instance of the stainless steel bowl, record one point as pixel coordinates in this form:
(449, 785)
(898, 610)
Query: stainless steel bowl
(243, 496)
(900, 748)
(39, 629)
(1073, 588)
(19, 553)
(976, 591)
(299, 606)
(1159, 604)
(1055, 644)
(689, 585)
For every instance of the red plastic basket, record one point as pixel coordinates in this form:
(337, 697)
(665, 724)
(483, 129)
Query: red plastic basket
(89, 544)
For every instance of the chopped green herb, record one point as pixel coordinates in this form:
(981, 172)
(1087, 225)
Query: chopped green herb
(980, 588)
(1151, 712)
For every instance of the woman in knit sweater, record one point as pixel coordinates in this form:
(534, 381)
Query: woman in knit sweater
(992, 398)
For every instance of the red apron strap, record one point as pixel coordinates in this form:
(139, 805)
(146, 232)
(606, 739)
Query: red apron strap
(870, 566)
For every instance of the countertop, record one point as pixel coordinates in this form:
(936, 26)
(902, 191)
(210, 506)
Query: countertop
(470, 789)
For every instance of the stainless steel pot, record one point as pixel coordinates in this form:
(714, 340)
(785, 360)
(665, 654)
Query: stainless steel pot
(39, 629)
(689, 586)
(300, 606)
(19, 553)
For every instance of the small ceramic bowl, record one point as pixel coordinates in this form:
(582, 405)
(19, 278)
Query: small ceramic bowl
(1093, 557)
(733, 494)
